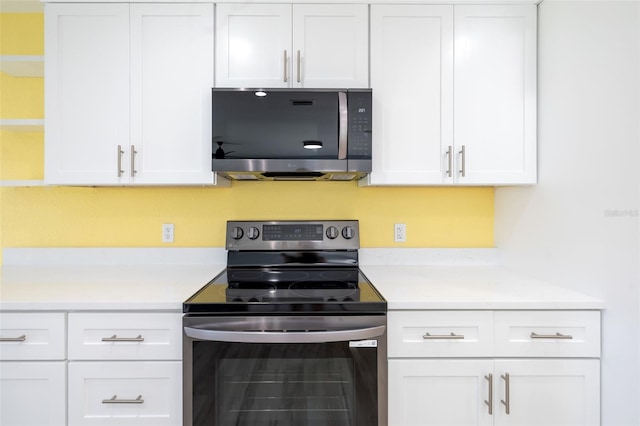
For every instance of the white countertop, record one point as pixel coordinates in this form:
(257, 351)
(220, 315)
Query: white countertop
(470, 287)
(152, 282)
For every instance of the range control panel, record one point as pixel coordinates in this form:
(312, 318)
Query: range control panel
(293, 235)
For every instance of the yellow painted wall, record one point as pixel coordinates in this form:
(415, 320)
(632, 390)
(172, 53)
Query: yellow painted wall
(132, 217)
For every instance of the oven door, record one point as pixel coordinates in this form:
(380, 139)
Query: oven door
(255, 371)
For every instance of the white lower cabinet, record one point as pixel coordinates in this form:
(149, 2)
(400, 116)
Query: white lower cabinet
(125, 369)
(33, 393)
(33, 369)
(125, 393)
(541, 392)
(525, 368)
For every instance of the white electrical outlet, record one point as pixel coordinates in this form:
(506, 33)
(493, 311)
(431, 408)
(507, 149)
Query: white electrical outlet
(400, 233)
(167, 232)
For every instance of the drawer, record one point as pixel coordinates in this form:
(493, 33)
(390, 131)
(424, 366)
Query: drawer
(32, 336)
(547, 334)
(135, 393)
(125, 336)
(440, 334)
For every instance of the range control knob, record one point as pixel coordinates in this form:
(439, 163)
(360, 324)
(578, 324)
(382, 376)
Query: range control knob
(348, 232)
(237, 233)
(253, 233)
(332, 232)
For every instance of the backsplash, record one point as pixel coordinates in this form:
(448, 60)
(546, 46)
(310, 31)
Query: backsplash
(38, 216)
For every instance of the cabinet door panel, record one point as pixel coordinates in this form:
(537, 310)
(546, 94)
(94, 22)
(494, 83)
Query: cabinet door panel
(253, 45)
(412, 81)
(172, 76)
(439, 392)
(549, 392)
(86, 92)
(495, 81)
(333, 45)
(33, 393)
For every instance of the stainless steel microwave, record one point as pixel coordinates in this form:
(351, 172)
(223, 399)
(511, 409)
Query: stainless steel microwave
(291, 134)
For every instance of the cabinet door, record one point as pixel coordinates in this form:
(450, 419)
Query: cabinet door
(171, 80)
(495, 95)
(86, 92)
(412, 81)
(330, 46)
(439, 392)
(33, 393)
(548, 392)
(125, 393)
(253, 45)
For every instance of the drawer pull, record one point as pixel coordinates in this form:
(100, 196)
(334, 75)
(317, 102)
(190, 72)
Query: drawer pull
(551, 336)
(489, 403)
(13, 339)
(114, 400)
(115, 338)
(428, 336)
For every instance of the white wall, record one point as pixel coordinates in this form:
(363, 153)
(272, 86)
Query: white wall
(579, 227)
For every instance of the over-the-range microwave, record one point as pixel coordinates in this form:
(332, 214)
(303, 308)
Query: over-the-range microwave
(291, 134)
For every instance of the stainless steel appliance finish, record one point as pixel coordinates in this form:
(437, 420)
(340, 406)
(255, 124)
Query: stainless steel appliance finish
(291, 333)
(291, 134)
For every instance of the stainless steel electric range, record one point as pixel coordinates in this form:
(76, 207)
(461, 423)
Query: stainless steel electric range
(290, 333)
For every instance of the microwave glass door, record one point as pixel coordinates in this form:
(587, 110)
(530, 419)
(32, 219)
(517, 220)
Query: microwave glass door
(277, 125)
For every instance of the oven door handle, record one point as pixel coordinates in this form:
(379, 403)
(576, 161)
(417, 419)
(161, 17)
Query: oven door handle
(284, 336)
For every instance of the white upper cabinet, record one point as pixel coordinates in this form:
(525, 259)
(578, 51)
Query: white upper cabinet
(127, 94)
(284, 45)
(86, 92)
(495, 94)
(171, 80)
(412, 81)
(454, 95)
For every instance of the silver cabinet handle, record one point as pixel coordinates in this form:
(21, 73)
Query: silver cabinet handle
(450, 160)
(285, 67)
(115, 338)
(428, 336)
(133, 161)
(114, 400)
(489, 402)
(13, 339)
(551, 336)
(299, 66)
(120, 152)
(505, 401)
(462, 161)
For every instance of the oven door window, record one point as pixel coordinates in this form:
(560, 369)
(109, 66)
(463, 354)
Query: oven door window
(245, 384)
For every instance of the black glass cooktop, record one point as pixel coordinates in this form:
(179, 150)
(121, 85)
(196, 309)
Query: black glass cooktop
(287, 290)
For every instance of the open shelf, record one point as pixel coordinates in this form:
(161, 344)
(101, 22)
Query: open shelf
(22, 65)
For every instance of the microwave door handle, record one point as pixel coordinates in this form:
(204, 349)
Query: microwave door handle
(284, 336)
(343, 125)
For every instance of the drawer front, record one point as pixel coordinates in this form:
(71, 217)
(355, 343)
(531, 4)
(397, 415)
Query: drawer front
(135, 393)
(32, 336)
(547, 334)
(440, 334)
(125, 336)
